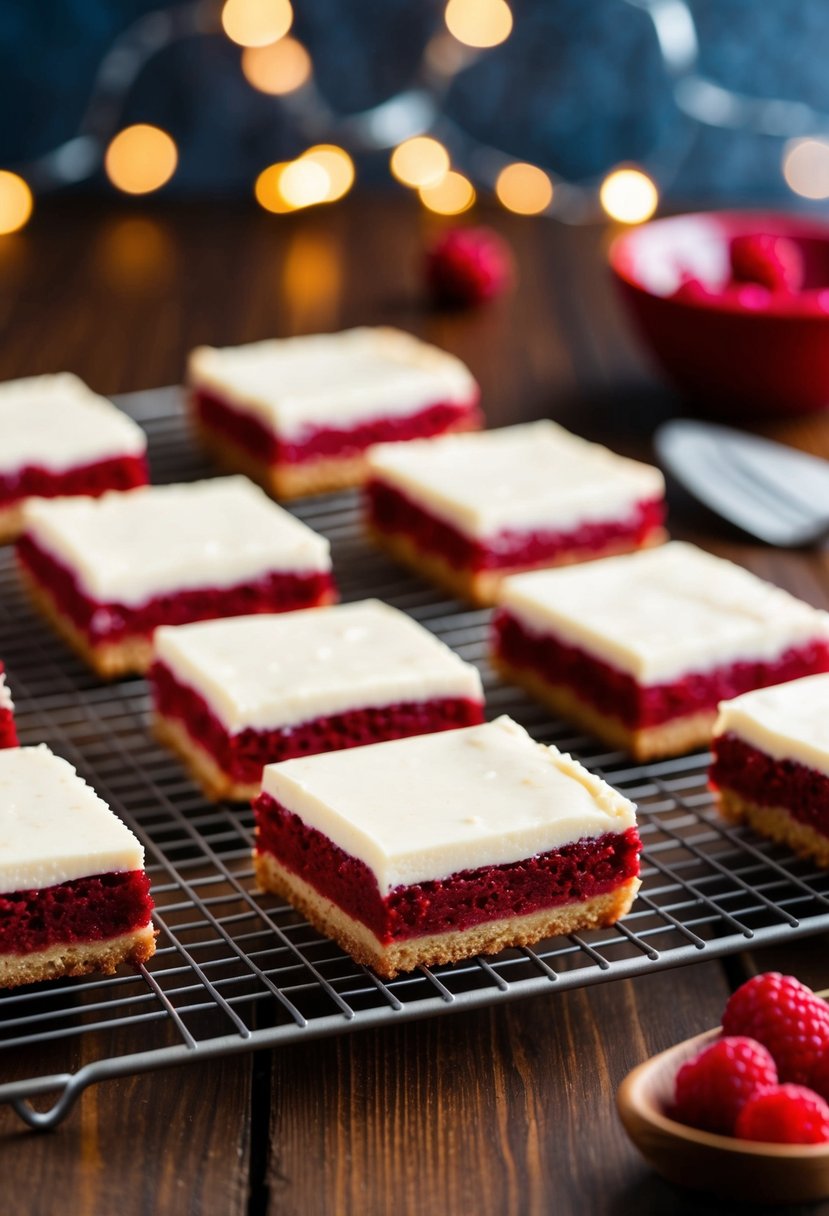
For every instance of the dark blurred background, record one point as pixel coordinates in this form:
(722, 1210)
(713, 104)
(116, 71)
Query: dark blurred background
(577, 87)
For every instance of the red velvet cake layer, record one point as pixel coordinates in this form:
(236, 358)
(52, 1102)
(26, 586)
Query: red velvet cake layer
(117, 473)
(617, 694)
(8, 733)
(281, 591)
(85, 910)
(325, 442)
(758, 777)
(389, 511)
(575, 872)
(243, 756)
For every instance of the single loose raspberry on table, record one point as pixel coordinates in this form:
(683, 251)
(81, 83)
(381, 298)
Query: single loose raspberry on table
(786, 1017)
(468, 266)
(712, 1088)
(784, 1114)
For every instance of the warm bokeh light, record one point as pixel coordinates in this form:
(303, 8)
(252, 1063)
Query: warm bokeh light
(420, 161)
(277, 68)
(16, 202)
(141, 159)
(524, 188)
(629, 195)
(806, 167)
(267, 189)
(451, 195)
(480, 23)
(304, 182)
(256, 22)
(337, 164)
(134, 254)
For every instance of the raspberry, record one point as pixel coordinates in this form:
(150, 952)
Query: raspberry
(468, 266)
(786, 1017)
(693, 291)
(774, 262)
(819, 1076)
(712, 1088)
(784, 1114)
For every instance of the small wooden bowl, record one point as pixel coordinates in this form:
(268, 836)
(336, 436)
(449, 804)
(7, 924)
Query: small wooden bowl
(702, 1161)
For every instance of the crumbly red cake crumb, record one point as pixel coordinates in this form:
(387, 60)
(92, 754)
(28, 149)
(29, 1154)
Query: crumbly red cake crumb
(786, 1017)
(390, 511)
(573, 873)
(281, 591)
(618, 694)
(712, 1088)
(84, 910)
(327, 442)
(784, 1114)
(242, 756)
(117, 473)
(761, 779)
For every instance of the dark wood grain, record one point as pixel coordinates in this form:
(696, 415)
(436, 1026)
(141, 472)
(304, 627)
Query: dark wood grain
(508, 1111)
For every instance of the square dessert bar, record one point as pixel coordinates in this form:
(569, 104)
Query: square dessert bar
(435, 848)
(466, 511)
(107, 571)
(8, 733)
(74, 897)
(297, 414)
(232, 696)
(771, 763)
(57, 437)
(641, 649)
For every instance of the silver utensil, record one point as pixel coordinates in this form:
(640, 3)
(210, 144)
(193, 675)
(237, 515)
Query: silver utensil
(776, 493)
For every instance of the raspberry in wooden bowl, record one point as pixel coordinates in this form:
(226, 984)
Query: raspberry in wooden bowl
(734, 306)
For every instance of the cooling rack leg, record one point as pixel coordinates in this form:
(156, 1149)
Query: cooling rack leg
(46, 1120)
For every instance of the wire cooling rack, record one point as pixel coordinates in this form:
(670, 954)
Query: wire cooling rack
(236, 970)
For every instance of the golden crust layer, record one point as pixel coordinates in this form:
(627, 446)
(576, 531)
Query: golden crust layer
(108, 659)
(133, 655)
(774, 822)
(286, 481)
(488, 938)
(481, 587)
(11, 523)
(77, 958)
(672, 738)
(215, 784)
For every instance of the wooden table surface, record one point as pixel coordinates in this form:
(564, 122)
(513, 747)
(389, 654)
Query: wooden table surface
(500, 1112)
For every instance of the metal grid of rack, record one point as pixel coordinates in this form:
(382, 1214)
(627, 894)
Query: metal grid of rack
(236, 970)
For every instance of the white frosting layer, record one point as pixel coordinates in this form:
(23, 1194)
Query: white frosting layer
(426, 807)
(269, 671)
(661, 613)
(5, 695)
(126, 547)
(58, 423)
(53, 827)
(533, 475)
(787, 722)
(292, 384)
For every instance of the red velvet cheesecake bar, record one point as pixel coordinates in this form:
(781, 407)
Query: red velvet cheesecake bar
(57, 437)
(770, 767)
(435, 848)
(8, 732)
(232, 696)
(297, 414)
(108, 571)
(469, 510)
(641, 649)
(74, 897)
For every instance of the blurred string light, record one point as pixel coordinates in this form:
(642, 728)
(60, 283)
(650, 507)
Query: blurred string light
(628, 195)
(256, 22)
(406, 125)
(277, 68)
(140, 159)
(15, 202)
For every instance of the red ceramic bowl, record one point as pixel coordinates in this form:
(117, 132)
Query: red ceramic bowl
(741, 351)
